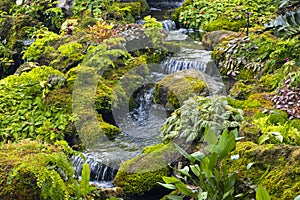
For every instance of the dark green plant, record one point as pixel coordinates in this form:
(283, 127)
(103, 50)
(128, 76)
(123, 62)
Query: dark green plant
(196, 114)
(205, 177)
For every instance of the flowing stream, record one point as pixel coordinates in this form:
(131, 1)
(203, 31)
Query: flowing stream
(141, 126)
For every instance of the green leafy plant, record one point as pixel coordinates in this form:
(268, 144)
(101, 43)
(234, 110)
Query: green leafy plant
(85, 187)
(196, 14)
(23, 112)
(41, 45)
(153, 30)
(205, 177)
(277, 133)
(55, 15)
(262, 194)
(198, 112)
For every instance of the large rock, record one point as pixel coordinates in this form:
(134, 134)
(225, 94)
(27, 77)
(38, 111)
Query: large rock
(34, 170)
(211, 39)
(174, 89)
(276, 167)
(141, 173)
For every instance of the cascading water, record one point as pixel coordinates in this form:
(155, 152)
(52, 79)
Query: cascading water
(141, 126)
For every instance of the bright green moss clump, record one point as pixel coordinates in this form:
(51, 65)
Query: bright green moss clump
(276, 167)
(223, 23)
(141, 173)
(32, 170)
(174, 89)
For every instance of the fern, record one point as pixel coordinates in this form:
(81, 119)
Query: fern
(287, 25)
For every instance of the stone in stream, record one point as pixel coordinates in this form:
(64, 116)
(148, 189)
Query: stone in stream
(211, 39)
(174, 89)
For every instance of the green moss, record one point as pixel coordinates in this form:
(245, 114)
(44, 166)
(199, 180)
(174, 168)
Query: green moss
(254, 105)
(277, 117)
(278, 163)
(241, 90)
(270, 82)
(32, 159)
(141, 173)
(93, 129)
(223, 23)
(174, 89)
(135, 7)
(245, 74)
(249, 131)
(153, 148)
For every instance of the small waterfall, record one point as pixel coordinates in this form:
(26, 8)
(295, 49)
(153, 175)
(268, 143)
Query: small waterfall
(191, 59)
(164, 4)
(174, 65)
(100, 174)
(169, 25)
(143, 99)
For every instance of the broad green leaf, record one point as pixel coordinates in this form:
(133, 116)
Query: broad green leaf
(263, 138)
(174, 197)
(198, 155)
(202, 196)
(168, 186)
(185, 171)
(209, 136)
(229, 192)
(168, 180)
(262, 194)
(195, 169)
(184, 190)
(184, 153)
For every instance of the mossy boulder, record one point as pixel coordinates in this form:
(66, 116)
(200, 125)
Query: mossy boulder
(276, 167)
(141, 173)
(211, 39)
(174, 89)
(36, 164)
(224, 23)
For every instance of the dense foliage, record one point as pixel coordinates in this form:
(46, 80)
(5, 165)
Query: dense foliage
(196, 114)
(198, 13)
(204, 178)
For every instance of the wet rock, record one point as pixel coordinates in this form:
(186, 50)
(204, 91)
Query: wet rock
(174, 89)
(211, 39)
(141, 173)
